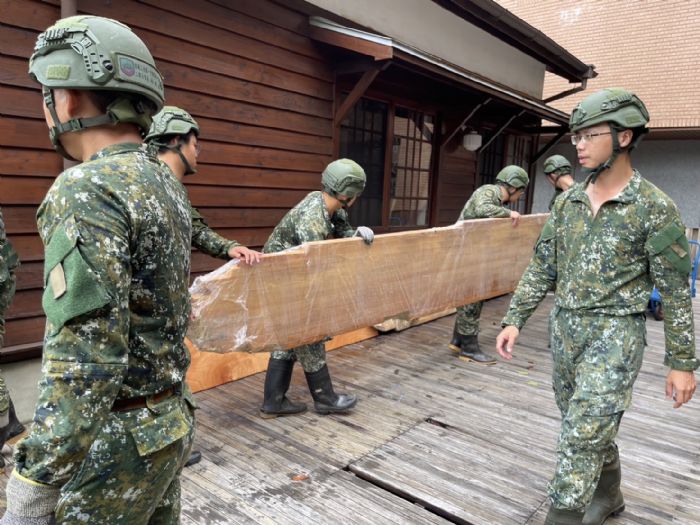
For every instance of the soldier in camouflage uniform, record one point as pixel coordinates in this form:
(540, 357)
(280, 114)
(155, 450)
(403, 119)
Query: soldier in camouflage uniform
(486, 202)
(557, 169)
(9, 424)
(176, 135)
(606, 242)
(114, 421)
(321, 215)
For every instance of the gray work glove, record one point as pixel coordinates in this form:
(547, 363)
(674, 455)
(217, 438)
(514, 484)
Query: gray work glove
(29, 503)
(366, 233)
(12, 519)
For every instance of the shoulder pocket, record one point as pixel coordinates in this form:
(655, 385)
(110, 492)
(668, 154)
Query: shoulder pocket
(70, 286)
(670, 243)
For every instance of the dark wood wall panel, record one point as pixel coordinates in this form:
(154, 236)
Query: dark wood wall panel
(261, 90)
(456, 183)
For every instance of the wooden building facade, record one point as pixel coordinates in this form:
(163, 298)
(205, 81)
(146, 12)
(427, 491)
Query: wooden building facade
(279, 88)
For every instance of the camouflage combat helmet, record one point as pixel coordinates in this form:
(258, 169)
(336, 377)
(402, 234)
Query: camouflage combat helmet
(171, 122)
(99, 54)
(344, 177)
(618, 108)
(513, 176)
(558, 165)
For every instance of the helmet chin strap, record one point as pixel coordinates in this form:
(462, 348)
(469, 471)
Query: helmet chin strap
(345, 204)
(592, 174)
(76, 124)
(189, 170)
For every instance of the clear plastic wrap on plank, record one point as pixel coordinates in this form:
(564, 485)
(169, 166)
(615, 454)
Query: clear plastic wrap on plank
(326, 288)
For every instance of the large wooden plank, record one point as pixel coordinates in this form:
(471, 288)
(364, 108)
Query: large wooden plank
(209, 370)
(331, 287)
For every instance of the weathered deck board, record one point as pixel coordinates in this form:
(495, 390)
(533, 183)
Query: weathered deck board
(488, 463)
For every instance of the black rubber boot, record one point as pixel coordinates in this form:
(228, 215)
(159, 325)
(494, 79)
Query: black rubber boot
(470, 351)
(563, 517)
(326, 401)
(607, 498)
(277, 379)
(456, 343)
(13, 427)
(195, 457)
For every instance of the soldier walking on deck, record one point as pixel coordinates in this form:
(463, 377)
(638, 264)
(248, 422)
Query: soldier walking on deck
(606, 242)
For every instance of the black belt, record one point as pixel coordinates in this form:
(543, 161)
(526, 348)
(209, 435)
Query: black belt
(124, 405)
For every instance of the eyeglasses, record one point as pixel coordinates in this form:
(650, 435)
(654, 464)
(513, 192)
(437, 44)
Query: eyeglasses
(586, 137)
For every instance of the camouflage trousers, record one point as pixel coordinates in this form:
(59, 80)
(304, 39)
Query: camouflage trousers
(4, 400)
(6, 295)
(311, 357)
(131, 474)
(467, 321)
(596, 361)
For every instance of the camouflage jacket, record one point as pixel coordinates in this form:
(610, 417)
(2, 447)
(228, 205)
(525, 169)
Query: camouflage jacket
(308, 221)
(116, 231)
(9, 261)
(207, 240)
(608, 264)
(484, 203)
(557, 192)
(204, 238)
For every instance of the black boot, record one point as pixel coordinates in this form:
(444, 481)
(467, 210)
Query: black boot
(13, 427)
(456, 343)
(277, 379)
(563, 517)
(470, 351)
(326, 401)
(195, 457)
(607, 498)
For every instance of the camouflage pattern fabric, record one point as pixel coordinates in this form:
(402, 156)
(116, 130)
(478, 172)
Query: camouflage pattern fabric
(609, 264)
(308, 221)
(604, 268)
(485, 202)
(143, 488)
(207, 240)
(117, 233)
(557, 192)
(8, 263)
(596, 360)
(467, 320)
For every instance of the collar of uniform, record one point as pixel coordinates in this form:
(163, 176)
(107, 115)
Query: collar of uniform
(326, 215)
(118, 149)
(627, 195)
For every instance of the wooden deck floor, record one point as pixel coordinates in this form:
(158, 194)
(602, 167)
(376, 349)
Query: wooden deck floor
(432, 440)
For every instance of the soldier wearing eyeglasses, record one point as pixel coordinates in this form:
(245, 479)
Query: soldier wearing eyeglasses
(607, 241)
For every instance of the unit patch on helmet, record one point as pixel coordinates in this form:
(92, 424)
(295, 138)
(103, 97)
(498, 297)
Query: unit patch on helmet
(138, 72)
